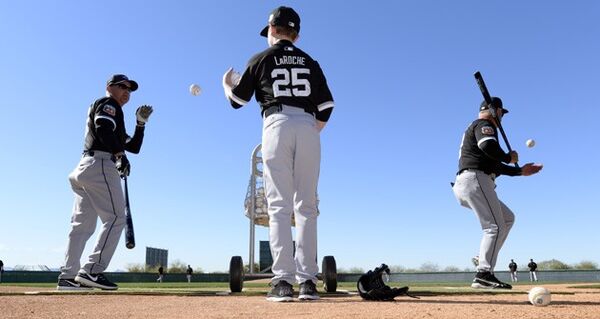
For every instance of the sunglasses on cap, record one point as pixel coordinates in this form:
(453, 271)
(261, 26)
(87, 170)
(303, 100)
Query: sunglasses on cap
(122, 86)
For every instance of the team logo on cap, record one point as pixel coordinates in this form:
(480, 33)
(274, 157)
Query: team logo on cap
(271, 18)
(291, 24)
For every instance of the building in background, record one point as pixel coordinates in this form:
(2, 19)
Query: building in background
(156, 257)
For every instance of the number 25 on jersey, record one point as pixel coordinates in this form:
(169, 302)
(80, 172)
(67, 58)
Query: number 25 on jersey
(286, 85)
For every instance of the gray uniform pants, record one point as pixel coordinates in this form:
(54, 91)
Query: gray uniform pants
(98, 193)
(533, 275)
(291, 152)
(475, 190)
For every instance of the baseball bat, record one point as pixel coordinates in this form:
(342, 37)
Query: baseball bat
(488, 99)
(129, 235)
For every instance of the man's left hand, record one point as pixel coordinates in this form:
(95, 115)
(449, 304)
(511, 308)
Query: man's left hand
(530, 169)
(142, 114)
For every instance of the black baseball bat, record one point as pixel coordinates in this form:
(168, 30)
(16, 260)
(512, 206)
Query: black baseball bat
(129, 235)
(488, 99)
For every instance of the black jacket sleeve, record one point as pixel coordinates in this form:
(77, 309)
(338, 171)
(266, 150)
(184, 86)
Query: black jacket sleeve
(323, 98)
(243, 91)
(134, 144)
(508, 170)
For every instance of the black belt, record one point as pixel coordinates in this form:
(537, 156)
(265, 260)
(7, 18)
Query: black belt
(278, 108)
(91, 153)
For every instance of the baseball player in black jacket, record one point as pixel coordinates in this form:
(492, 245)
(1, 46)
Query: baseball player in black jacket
(96, 183)
(532, 270)
(481, 160)
(513, 271)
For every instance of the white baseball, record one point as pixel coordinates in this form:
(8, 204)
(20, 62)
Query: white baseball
(539, 296)
(530, 143)
(195, 89)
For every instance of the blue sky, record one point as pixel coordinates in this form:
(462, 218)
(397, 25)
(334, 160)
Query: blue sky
(401, 73)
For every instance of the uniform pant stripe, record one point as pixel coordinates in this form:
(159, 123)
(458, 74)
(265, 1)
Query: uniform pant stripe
(114, 212)
(492, 263)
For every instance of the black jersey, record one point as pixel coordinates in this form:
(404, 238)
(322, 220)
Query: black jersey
(532, 266)
(480, 150)
(284, 75)
(105, 129)
(512, 266)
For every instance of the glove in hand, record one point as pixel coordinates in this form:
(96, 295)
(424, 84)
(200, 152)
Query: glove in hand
(123, 166)
(142, 114)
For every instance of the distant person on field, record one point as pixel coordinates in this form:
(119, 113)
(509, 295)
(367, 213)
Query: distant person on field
(160, 274)
(1, 270)
(532, 270)
(513, 271)
(189, 272)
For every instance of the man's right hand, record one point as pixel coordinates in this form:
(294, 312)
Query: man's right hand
(123, 166)
(530, 169)
(230, 79)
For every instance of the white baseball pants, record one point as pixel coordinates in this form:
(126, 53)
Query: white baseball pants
(291, 152)
(98, 193)
(475, 190)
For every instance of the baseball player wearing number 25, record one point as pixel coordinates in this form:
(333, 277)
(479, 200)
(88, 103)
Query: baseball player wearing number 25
(481, 159)
(295, 104)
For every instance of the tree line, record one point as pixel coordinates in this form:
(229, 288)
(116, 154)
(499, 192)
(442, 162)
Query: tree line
(177, 266)
(552, 264)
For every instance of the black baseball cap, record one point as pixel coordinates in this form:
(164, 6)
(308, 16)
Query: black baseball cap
(120, 78)
(283, 16)
(496, 102)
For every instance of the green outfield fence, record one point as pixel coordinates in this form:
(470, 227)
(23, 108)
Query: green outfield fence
(52, 276)
(544, 275)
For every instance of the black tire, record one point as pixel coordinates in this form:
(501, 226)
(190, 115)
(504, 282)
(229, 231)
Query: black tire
(329, 270)
(236, 274)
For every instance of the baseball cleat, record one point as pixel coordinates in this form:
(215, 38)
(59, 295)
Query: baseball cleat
(308, 291)
(282, 291)
(72, 285)
(487, 280)
(96, 281)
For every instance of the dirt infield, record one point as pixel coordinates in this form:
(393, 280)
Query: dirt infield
(20, 302)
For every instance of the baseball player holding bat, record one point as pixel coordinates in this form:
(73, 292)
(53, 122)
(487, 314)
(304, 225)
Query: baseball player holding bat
(97, 186)
(481, 160)
(295, 104)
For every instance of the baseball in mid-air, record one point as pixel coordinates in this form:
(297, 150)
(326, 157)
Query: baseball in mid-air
(195, 89)
(530, 143)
